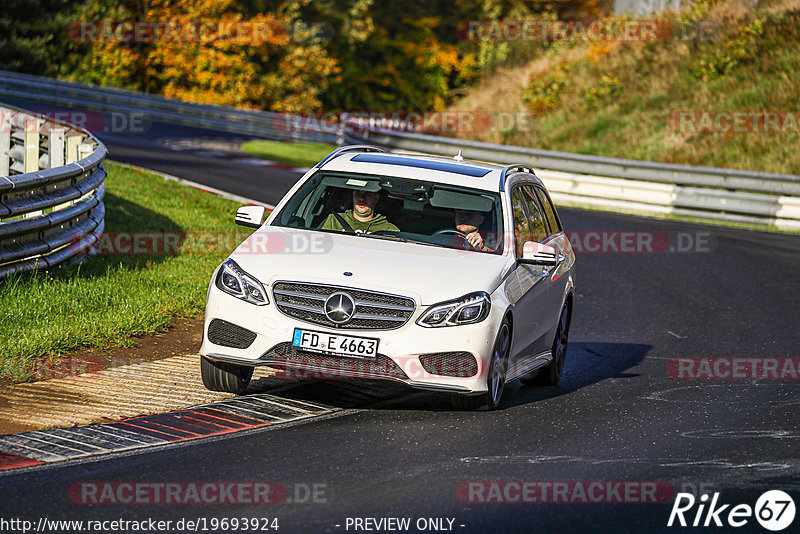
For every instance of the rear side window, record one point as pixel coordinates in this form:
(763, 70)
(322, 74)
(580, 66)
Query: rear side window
(522, 229)
(537, 222)
(549, 211)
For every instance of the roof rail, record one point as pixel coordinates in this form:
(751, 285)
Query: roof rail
(509, 168)
(349, 148)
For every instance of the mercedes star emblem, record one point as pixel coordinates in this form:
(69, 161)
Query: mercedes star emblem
(340, 307)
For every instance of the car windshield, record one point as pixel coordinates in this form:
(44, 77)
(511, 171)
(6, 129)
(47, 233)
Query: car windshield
(399, 209)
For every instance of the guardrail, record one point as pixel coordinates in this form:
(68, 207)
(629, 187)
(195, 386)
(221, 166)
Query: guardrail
(51, 192)
(622, 185)
(224, 118)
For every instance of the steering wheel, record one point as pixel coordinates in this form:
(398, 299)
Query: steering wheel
(466, 245)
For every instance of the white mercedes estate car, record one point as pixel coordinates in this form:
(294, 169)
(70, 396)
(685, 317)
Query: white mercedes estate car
(443, 274)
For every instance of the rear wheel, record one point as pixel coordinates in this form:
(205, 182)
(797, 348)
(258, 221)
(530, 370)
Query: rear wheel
(223, 376)
(551, 373)
(496, 376)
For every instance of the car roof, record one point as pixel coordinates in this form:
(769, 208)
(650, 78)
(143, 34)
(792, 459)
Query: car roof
(467, 173)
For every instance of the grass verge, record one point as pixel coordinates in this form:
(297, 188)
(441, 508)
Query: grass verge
(297, 154)
(118, 294)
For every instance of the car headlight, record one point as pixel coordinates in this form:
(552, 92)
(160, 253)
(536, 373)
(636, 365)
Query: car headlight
(472, 308)
(234, 281)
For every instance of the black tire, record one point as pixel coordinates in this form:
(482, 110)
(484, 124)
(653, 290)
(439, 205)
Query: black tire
(551, 373)
(227, 377)
(496, 376)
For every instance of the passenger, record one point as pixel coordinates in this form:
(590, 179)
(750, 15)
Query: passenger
(468, 222)
(362, 218)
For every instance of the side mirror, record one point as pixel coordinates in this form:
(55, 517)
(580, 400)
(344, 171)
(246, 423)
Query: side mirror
(250, 216)
(538, 254)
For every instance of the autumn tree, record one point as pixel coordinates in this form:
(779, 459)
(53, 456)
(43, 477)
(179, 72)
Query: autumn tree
(282, 55)
(208, 51)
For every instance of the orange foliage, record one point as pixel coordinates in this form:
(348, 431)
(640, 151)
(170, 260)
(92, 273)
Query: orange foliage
(205, 51)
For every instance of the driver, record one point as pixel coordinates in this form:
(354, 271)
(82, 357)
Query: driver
(362, 218)
(468, 222)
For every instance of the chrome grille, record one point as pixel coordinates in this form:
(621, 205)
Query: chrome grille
(374, 311)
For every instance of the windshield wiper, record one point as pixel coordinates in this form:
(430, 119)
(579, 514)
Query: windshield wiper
(403, 239)
(383, 236)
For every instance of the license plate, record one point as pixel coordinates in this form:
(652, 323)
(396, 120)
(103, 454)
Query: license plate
(351, 346)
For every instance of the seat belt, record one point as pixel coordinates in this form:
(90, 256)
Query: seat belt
(343, 222)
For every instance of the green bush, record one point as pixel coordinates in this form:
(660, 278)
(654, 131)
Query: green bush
(544, 92)
(607, 88)
(741, 47)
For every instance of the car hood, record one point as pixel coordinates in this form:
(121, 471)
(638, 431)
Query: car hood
(428, 274)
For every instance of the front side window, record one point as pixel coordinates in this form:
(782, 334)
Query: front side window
(398, 209)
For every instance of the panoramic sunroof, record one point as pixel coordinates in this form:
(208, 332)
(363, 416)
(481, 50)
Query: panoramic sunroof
(444, 166)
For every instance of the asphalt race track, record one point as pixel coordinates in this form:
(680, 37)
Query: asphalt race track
(622, 417)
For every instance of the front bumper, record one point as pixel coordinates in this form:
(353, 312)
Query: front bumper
(399, 350)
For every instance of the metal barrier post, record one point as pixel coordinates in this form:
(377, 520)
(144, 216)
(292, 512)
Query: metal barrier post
(5, 142)
(73, 140)
(31, 161)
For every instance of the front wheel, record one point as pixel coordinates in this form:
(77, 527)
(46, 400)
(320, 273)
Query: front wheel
(551, 373)
(223, 376)
(496, 376)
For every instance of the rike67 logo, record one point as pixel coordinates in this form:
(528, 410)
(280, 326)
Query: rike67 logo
(774, 510)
